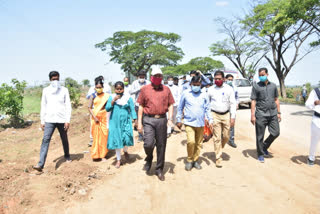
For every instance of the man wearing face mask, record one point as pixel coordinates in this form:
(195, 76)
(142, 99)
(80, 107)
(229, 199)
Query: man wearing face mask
(265, 111)
(229, 81)
(155, 101)
(135, 91)
(196, 107)
(176, 95)
(223, 106)
(55, 113)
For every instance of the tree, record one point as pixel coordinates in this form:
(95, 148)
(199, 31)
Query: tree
(204, 64)
(308, 11)
(86, 82)
(242, 50)
(270, 24)
(11, 101)
(139, 51)
(74, 91)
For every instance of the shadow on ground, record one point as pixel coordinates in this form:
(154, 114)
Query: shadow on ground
(302, 159)
(168, 168)
(212, 156)
(200, 160)
(253, 153)
(303, 113)
(74, 157)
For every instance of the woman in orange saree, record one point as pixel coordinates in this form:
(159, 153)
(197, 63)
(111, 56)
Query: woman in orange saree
(99, 122)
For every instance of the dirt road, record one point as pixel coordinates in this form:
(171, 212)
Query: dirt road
(283, 184)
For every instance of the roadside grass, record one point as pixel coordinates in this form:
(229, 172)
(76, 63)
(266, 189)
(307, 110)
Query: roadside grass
(31, 104)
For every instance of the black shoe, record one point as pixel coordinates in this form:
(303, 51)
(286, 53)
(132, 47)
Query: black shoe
(147, 166)
(266, 153)
(38, 168)
(168, 135)
(188, 166)
(197, 165)
(232, 144)
(310, 162)
(160, 175)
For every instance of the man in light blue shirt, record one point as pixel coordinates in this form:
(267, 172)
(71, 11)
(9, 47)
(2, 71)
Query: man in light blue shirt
(196, 107)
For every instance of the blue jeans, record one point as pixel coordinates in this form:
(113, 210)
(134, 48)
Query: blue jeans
(48, 132)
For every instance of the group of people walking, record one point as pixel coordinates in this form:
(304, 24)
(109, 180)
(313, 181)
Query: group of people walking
(206, 107)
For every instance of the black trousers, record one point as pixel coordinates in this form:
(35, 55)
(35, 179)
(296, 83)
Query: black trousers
(274, 130)
(155, 134)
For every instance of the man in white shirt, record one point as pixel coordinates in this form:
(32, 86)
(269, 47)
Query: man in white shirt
(127, 86)
(175, 91)
(313, 103)
(55, 113)
(230, 82)
(223, 107)
(135, 91)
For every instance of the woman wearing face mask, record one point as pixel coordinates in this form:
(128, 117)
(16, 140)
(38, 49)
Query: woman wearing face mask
(194, 104)
(99, 121)
(120, 125)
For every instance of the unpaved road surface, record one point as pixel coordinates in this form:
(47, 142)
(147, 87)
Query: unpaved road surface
(283, 184)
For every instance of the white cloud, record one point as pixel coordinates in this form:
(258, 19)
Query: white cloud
(222, 3)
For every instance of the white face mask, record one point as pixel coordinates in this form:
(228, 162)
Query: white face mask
(170, 82)
(141, 80)
(55, 84)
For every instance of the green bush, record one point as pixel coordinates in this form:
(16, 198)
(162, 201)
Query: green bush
(74, 90)
(289, 93)
(11, 101)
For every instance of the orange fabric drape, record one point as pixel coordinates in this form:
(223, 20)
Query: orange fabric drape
(99, 130)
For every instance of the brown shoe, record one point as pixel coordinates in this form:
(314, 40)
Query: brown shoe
(160, 176)
(38, 168)
(219, 162)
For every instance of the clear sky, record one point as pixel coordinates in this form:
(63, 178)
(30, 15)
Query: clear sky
(37, 36)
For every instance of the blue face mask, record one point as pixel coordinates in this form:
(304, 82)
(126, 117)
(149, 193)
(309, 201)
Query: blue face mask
(195, 89)
(229, 82)
(263, 78)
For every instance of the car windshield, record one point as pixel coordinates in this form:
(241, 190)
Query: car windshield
(243, 83)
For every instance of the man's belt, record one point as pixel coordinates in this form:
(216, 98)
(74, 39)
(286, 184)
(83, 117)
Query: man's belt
(221, 113)
(316, 114)
(157, 116)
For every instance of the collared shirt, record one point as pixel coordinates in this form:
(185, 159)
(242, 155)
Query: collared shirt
(92, 90)
(55, 105)
(175, 93)
(222, 99)
(195, 107)
(265, 96)
(236, 93)
(135, 89)
(310, 104)
(155, 101)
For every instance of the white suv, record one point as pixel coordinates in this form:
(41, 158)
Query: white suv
(244, 90)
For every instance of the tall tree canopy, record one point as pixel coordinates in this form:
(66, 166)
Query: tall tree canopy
(308, 11)
(269, 22)
(139, 51)
(204, 64)
(243, 51)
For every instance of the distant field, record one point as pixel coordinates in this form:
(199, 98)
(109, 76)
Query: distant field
(31, 104)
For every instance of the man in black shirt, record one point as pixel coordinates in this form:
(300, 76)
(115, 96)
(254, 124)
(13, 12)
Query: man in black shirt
(265, 111)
